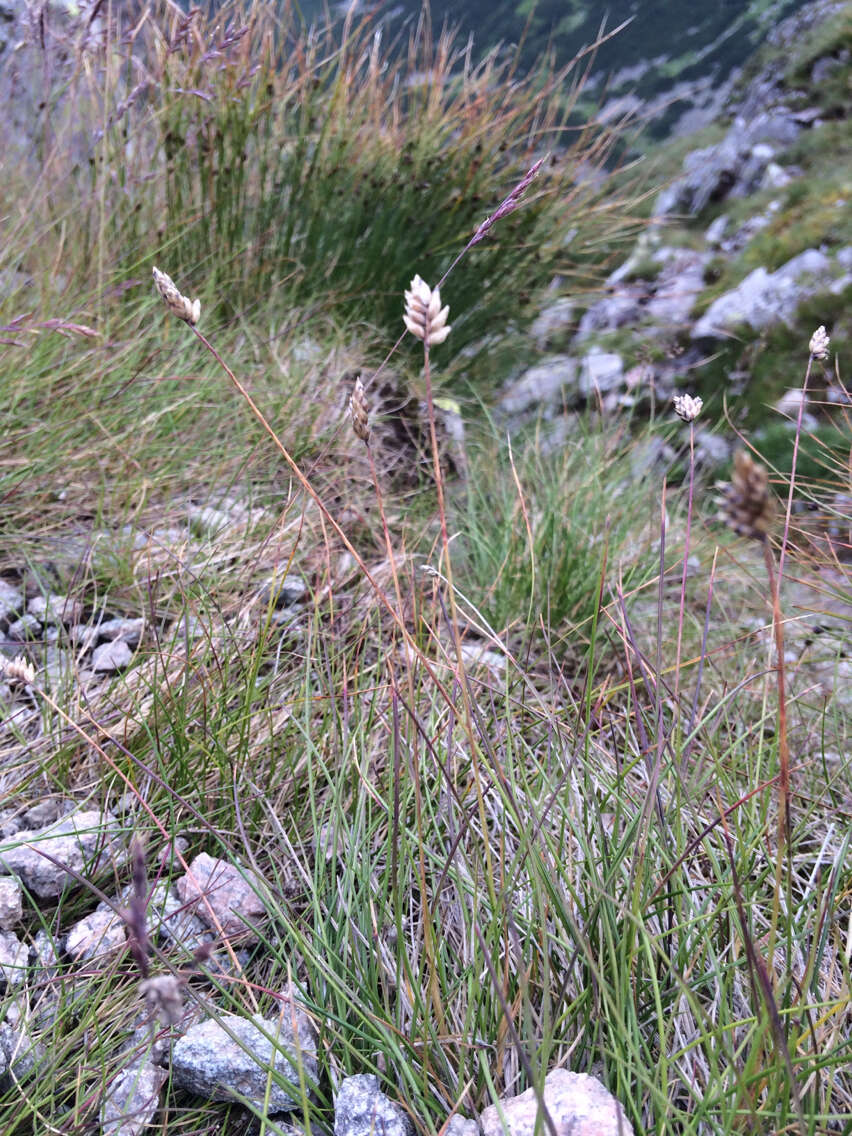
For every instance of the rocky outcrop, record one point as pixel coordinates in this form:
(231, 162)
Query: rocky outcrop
(765, 298)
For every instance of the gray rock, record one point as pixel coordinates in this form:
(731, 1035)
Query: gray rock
(283, 591)
(230, 892)
(555, 319)
(775, 177)
(11, 910)
(130, 1102)
(716, 230)
(765, 298)
(99, 934)
(128, 630)
(362, 1109)
(14, 956)
(711, 450)
(459, 1125)
(542, 388)
(11, 600)
(171, 918)
(27, 627)
(112, 656)
(83, 842)
(22, 1055)
(732, 168)
(601, 371)
(55, 608)
(578, 1105)
(611, 312)
(231, 1058)
(677, 287)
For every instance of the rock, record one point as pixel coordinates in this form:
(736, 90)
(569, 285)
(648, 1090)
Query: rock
(775, 177)
(611, 312)
(283, 592)
(174, 920)
(230, 1059)
(14, 956)
(230, 892)
(677, 287)
(765, 298)
(11, 910)
(128, 630)
(601, 371)
(11, 600)
(112, 656)
(732, 168)
(543, 388)
(55, 608)
(711, 450)
(129, 1104)
(48, 859)
(554, 320)
(459, 1125)
(578, 1105)
(27, 627)
(21, 1054)
(362, 1109)
(99, 934)
(716, 230)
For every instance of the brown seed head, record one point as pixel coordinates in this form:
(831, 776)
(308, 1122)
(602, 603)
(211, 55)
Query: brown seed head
(359, 410)
(747, 505)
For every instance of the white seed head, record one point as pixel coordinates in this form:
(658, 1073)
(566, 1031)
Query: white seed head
(178, 304)
(687, 407)
(18, 670)
(424, 317)
(819, 343)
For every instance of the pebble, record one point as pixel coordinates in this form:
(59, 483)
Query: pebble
(51, 858)
(231, 892)
(112, 656)
(11, 909)
(99, 934)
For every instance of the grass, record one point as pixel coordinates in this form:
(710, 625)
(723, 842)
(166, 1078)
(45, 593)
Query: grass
(523, 822)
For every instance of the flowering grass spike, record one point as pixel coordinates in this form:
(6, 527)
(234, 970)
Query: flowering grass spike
(424, 317)
(178, 304)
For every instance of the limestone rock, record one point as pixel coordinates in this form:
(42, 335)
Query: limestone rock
(46, 860)
(231, 893)
(765, 298)
(130, 1101)
(11, 910)
(55, 608)
(99, 934)
(13, 959)
(111, 656)
(362, 1109)
(230, 1059)
(544, 387)
(578, 1105)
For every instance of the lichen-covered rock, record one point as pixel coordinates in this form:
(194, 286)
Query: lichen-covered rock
(49, 860)
(11, 910)
(114, 655)
(220, 892)
(236, 1058)
(541, 389)
(130, 1101)
(362, 1109)
(13, 959)
(578, 1105)
(55, 609)
(100, 933)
